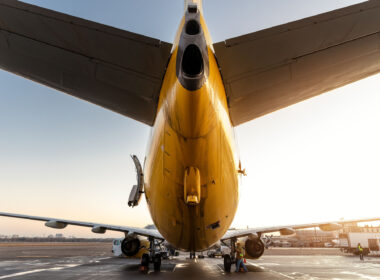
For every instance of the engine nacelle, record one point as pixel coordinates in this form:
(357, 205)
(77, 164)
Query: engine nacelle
(130, 246)
(330, 227)
(254, 248)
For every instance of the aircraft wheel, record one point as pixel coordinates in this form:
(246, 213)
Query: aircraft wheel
(227, 263)
(145, 260)
(157, 262)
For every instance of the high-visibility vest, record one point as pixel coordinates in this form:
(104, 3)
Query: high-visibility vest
(240, 252)
(360, 248)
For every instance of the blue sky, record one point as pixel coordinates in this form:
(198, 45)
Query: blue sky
(63, 157)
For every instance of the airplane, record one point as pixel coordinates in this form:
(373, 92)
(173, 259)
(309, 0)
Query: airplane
(192, 92)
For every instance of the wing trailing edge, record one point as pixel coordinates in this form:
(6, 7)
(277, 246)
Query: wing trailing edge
(290, 229)
(95, 227)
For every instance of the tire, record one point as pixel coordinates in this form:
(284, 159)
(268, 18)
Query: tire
(145, 260)
(227, 263)
(192, 255)
(157, 262)
(164, 255)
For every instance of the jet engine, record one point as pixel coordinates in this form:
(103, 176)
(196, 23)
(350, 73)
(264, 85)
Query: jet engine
(130, 246)
(254, 248)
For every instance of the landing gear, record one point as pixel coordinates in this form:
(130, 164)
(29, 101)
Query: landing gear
(152, 257)
(227, 263)
(157, 262)
(230, 259)
(192, 255)
(145, 260)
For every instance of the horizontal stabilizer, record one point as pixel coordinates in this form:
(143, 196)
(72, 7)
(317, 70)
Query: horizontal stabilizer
(274, 68)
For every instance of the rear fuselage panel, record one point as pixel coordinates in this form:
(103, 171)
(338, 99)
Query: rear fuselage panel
(192, 129)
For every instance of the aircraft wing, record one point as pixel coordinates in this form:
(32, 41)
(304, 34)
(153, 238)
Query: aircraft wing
(96, 228)
(290, 229)
(271, 69)
(113, 68)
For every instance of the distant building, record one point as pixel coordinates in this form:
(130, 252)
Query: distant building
(305, 238)
(353, 227)
(319, 238)
(316, 235)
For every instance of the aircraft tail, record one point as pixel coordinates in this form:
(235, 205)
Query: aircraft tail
(198, 2)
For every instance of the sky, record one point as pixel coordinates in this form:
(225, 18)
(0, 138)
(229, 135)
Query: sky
(63, 157)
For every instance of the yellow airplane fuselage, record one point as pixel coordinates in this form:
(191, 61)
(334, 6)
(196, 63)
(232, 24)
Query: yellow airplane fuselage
(192, 131)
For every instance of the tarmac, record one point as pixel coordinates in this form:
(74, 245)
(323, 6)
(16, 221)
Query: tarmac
(95, 261)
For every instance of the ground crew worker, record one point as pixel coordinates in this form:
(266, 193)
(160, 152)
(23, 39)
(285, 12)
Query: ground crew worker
(240, 258)
(360, 251)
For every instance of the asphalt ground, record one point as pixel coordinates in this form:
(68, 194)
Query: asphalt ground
(95, 261)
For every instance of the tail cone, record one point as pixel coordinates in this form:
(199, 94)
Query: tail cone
(197, 2)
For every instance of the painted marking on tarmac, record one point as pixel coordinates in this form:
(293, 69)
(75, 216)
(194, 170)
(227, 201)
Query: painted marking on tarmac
(33, 257)
(300, 275)
(282, 274)
(180, 265)
(38, 270)
(222, 270)
(362, 276)
(272, 271)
